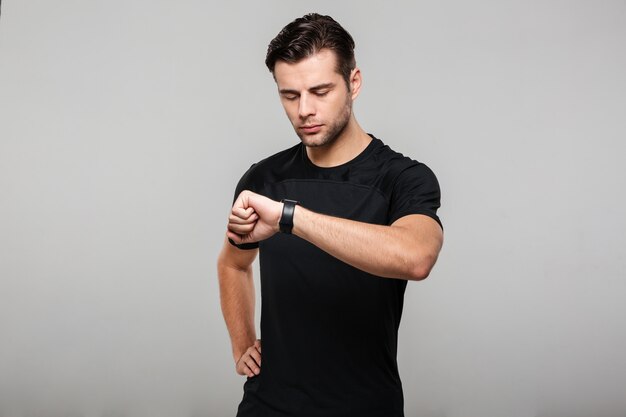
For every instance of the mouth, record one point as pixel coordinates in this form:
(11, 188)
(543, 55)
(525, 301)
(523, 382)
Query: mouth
(311, 128)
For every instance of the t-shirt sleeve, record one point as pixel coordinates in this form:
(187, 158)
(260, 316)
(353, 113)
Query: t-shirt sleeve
(415, 191)
(245, 183)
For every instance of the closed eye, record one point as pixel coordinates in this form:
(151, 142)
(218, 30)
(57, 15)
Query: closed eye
(290, 97)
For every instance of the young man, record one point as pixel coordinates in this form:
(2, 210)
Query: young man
(341, 223)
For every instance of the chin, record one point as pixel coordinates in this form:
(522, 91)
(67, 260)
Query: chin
(311, 143)
(314, 141)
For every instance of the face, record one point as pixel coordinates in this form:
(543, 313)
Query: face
(315, 97)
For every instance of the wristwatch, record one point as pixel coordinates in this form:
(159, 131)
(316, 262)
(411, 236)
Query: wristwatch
(286, 219)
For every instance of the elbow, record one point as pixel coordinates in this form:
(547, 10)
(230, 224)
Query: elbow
(421, 268)
(419, 273)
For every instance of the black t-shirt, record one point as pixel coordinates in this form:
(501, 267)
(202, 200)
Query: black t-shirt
(329, 331)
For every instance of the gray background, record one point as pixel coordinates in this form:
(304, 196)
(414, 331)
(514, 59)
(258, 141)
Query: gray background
(125, 125)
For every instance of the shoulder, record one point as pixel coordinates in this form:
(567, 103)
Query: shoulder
(262, 171)
(284, 157)
(395, 166)
(411, 186)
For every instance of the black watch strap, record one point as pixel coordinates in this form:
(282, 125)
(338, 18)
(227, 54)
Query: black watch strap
(286, 219)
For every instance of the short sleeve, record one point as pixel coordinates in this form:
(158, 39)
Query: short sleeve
(245, 183)
(415, 191)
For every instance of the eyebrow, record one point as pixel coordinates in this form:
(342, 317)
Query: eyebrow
(314, 88)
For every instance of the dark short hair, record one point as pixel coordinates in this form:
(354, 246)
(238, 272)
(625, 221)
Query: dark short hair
(306, 36)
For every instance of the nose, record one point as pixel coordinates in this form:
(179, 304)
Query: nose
(306, 106)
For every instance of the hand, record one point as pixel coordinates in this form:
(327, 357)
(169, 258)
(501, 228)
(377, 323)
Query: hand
(250, 362)
(253, 218)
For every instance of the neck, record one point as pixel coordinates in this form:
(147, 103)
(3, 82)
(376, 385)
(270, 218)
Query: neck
(352, 141)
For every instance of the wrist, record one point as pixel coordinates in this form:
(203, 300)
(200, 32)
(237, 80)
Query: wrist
(302, 214)
(286, 221)
(240, 349)
(237, 356)
(281, 207)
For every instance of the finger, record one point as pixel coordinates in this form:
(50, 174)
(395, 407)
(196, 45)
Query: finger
(243, 369)
(237, 228)
(242, 366)
(239, 239)
(254, 353)
(243, 213)
(234, 237)
(252, 365)
(257, 345)
(239, 220)
(241, 229)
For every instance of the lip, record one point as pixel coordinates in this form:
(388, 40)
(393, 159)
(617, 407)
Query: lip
(311, 128)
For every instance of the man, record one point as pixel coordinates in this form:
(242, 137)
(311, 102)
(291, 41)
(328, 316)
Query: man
(341, 223)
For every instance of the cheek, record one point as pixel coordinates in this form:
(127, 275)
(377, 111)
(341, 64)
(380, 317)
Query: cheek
(292, 114)
(289, 108)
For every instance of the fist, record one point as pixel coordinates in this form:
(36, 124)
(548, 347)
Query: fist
(253, 218)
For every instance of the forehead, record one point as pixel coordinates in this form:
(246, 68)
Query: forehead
(313, 70)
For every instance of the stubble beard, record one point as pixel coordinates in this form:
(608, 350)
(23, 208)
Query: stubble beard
(334, 130)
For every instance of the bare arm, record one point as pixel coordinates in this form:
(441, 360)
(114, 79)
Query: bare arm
(407, 249)
(234, 269)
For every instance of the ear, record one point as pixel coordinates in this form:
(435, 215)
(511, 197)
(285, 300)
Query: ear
(356, 81)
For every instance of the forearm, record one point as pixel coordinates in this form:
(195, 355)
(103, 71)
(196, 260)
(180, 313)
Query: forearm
(386, 251)
(237, 301)
(407, 249)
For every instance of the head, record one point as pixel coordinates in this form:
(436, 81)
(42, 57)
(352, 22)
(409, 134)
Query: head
(308, 35)
(312, 60)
